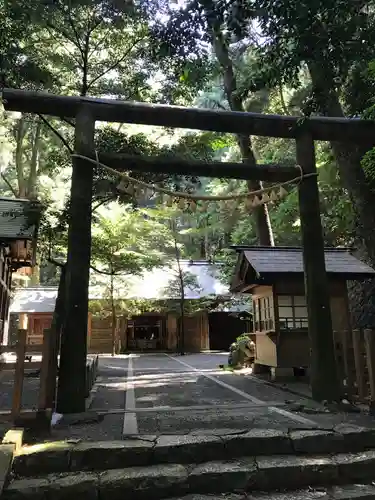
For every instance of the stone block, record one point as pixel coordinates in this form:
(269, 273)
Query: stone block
(292, 472)
(42, 459)
(103, 455)
(309, 494)
(258, 442)
(356, 438)
(221, 476)
(353, 492)
(316, 441)
(188, 449)
(356, 466)
(57, 487)
(259, 369)
(84, 486)
(143, 483)
(281, 373)
(6, 457)
(14, 436)
(27, 489)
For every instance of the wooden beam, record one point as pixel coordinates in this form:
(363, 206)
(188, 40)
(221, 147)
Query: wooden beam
(321, 128)
(71, 384)
(19, 373)
(323, 375)
(124, 162)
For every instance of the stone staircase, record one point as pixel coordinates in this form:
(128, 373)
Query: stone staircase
(259, 464)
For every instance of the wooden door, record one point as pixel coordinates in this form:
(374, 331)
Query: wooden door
(37, 325)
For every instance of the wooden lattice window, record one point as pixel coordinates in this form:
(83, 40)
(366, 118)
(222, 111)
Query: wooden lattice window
(292, 311)
(264, 315)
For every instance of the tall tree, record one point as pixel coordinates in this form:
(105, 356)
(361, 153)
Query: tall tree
(123, 245)
(333, 40)
(206, 19)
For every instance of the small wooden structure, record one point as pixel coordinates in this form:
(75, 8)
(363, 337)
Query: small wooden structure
(274, 277)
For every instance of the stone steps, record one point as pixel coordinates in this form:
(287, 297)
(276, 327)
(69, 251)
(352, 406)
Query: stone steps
(231, 465)
(65, 456)
(347, 492)
(245, 475)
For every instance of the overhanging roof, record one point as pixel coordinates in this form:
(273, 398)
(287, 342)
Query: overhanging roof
(14, 223)
(289, 260)
(273, 261)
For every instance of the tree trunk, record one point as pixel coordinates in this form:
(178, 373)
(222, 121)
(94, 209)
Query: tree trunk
(181, 332)
(261, 215)
(20, 134)
(113, 316)
(361, 192)
(33, 174)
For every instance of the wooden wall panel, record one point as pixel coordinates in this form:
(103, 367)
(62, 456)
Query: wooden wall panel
(171, 332)
(101, 336)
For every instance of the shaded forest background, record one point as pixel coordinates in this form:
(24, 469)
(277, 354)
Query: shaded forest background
(283, 57)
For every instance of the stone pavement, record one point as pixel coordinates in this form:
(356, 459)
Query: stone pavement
(162, 394)
(173, 427)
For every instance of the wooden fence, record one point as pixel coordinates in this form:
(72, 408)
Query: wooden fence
(48, 367)
(355, 359)
(47, 370)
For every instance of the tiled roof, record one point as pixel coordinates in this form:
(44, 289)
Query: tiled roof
(289, 260)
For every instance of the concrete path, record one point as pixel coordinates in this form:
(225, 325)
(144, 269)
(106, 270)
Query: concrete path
(161, 394)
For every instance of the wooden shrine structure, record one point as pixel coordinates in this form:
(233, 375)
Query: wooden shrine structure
(305, 131)
(274, 278)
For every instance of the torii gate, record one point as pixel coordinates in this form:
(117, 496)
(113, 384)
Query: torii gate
(86, 111)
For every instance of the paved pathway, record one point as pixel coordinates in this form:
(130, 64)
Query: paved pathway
(162, 394)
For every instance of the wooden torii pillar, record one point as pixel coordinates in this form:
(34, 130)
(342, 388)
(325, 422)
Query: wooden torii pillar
(323, 372)
(71, 391)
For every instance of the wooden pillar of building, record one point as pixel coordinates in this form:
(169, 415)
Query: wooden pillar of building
(323, 375)
(72, 373)
(23, 321)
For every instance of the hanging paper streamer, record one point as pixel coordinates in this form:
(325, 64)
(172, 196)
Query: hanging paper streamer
(203, 207)
(282, 192)
(274, 196)
(193, 206)
(256, 201)
(169, 201)
(123, 184)
(265, 198)
(181, 204)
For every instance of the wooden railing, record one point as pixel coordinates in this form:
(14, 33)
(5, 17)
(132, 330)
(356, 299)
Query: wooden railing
(47, 376)
(355, 359)
(21, 350)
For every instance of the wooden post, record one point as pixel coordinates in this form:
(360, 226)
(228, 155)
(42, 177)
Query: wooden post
(55, 337)
(72, 373)
(44, 375)
(370, 355)
(19, 374)
(346, 350)
(359, 363)
(89, 327)
(323, 375)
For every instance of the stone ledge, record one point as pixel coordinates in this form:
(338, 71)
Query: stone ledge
(65, 456)
(253, 475)
(188, 449)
